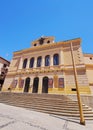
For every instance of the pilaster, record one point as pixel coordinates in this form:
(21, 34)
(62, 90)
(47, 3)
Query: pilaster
(51, 60)
(35, 62)
(21, 63)
(61, 57)
(43, 61)
(28, 62)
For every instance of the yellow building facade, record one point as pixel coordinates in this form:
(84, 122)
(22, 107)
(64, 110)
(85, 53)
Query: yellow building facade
(46, 67)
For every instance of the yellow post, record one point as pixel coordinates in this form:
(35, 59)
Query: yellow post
(82, 120)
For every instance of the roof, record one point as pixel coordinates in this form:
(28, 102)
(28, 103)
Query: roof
(4, 59)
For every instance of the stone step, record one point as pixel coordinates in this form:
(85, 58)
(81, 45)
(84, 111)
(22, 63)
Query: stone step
(44, 104)
(29, 96)
(56, 112)
(41, 105)
(43, 99)
(52, 108)
(64, 110)
(52, 104)
(36, 95)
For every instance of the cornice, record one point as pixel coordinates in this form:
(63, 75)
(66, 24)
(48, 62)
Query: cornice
(71, 69)
(89, 66)
(88, 55)
(49, 46)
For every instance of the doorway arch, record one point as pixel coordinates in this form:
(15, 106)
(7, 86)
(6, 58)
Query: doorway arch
(27, 84)
(45, 85)
(35, 85)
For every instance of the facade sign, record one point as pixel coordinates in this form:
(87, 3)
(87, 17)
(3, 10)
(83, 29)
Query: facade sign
(50, 82)
(61, 82)
(21, 83)
(14, 83)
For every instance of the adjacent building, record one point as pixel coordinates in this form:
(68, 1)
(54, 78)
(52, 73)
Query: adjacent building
(46, 67)
(4, 64)
(88, 58)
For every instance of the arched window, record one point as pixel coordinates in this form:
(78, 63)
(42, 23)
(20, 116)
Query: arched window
(56, 59)
(24, 63)
(47, 60)
(31, 62)
(39, 61)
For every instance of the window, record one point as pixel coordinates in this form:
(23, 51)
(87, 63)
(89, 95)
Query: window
(24, 63)
(2, 73)
(4, 65)
(73, 89)
(47, 60)
(35, 44)
(41, 40)
(56, 59)
(31, 63)
(48, 41)
(90, 58)
(39, 60)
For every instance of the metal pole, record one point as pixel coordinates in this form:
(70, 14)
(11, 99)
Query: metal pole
(82, 120)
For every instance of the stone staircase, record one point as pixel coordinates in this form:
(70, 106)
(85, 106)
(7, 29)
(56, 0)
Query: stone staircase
(47, 103)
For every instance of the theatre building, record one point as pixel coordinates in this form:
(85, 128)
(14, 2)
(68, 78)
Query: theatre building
(46, 67)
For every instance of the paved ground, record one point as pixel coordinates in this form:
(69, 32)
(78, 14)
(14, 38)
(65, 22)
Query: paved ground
(15, 118)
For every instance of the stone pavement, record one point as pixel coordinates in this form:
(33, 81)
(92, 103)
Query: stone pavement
(15, 118)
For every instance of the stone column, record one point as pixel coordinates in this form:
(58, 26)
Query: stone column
(31, 84)
(40, 85)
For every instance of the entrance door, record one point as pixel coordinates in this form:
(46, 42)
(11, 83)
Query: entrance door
(27, 84)
(1, 84)
(35, 85)
(45, 85)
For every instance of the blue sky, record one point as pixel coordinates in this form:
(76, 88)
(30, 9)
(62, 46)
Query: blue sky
(22, 21)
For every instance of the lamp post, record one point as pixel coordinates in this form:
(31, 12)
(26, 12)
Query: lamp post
(82, 120)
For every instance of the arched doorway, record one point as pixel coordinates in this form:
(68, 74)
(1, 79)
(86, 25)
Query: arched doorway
(27, 84)
(1, 83)
(35, 85)
(45, 85)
